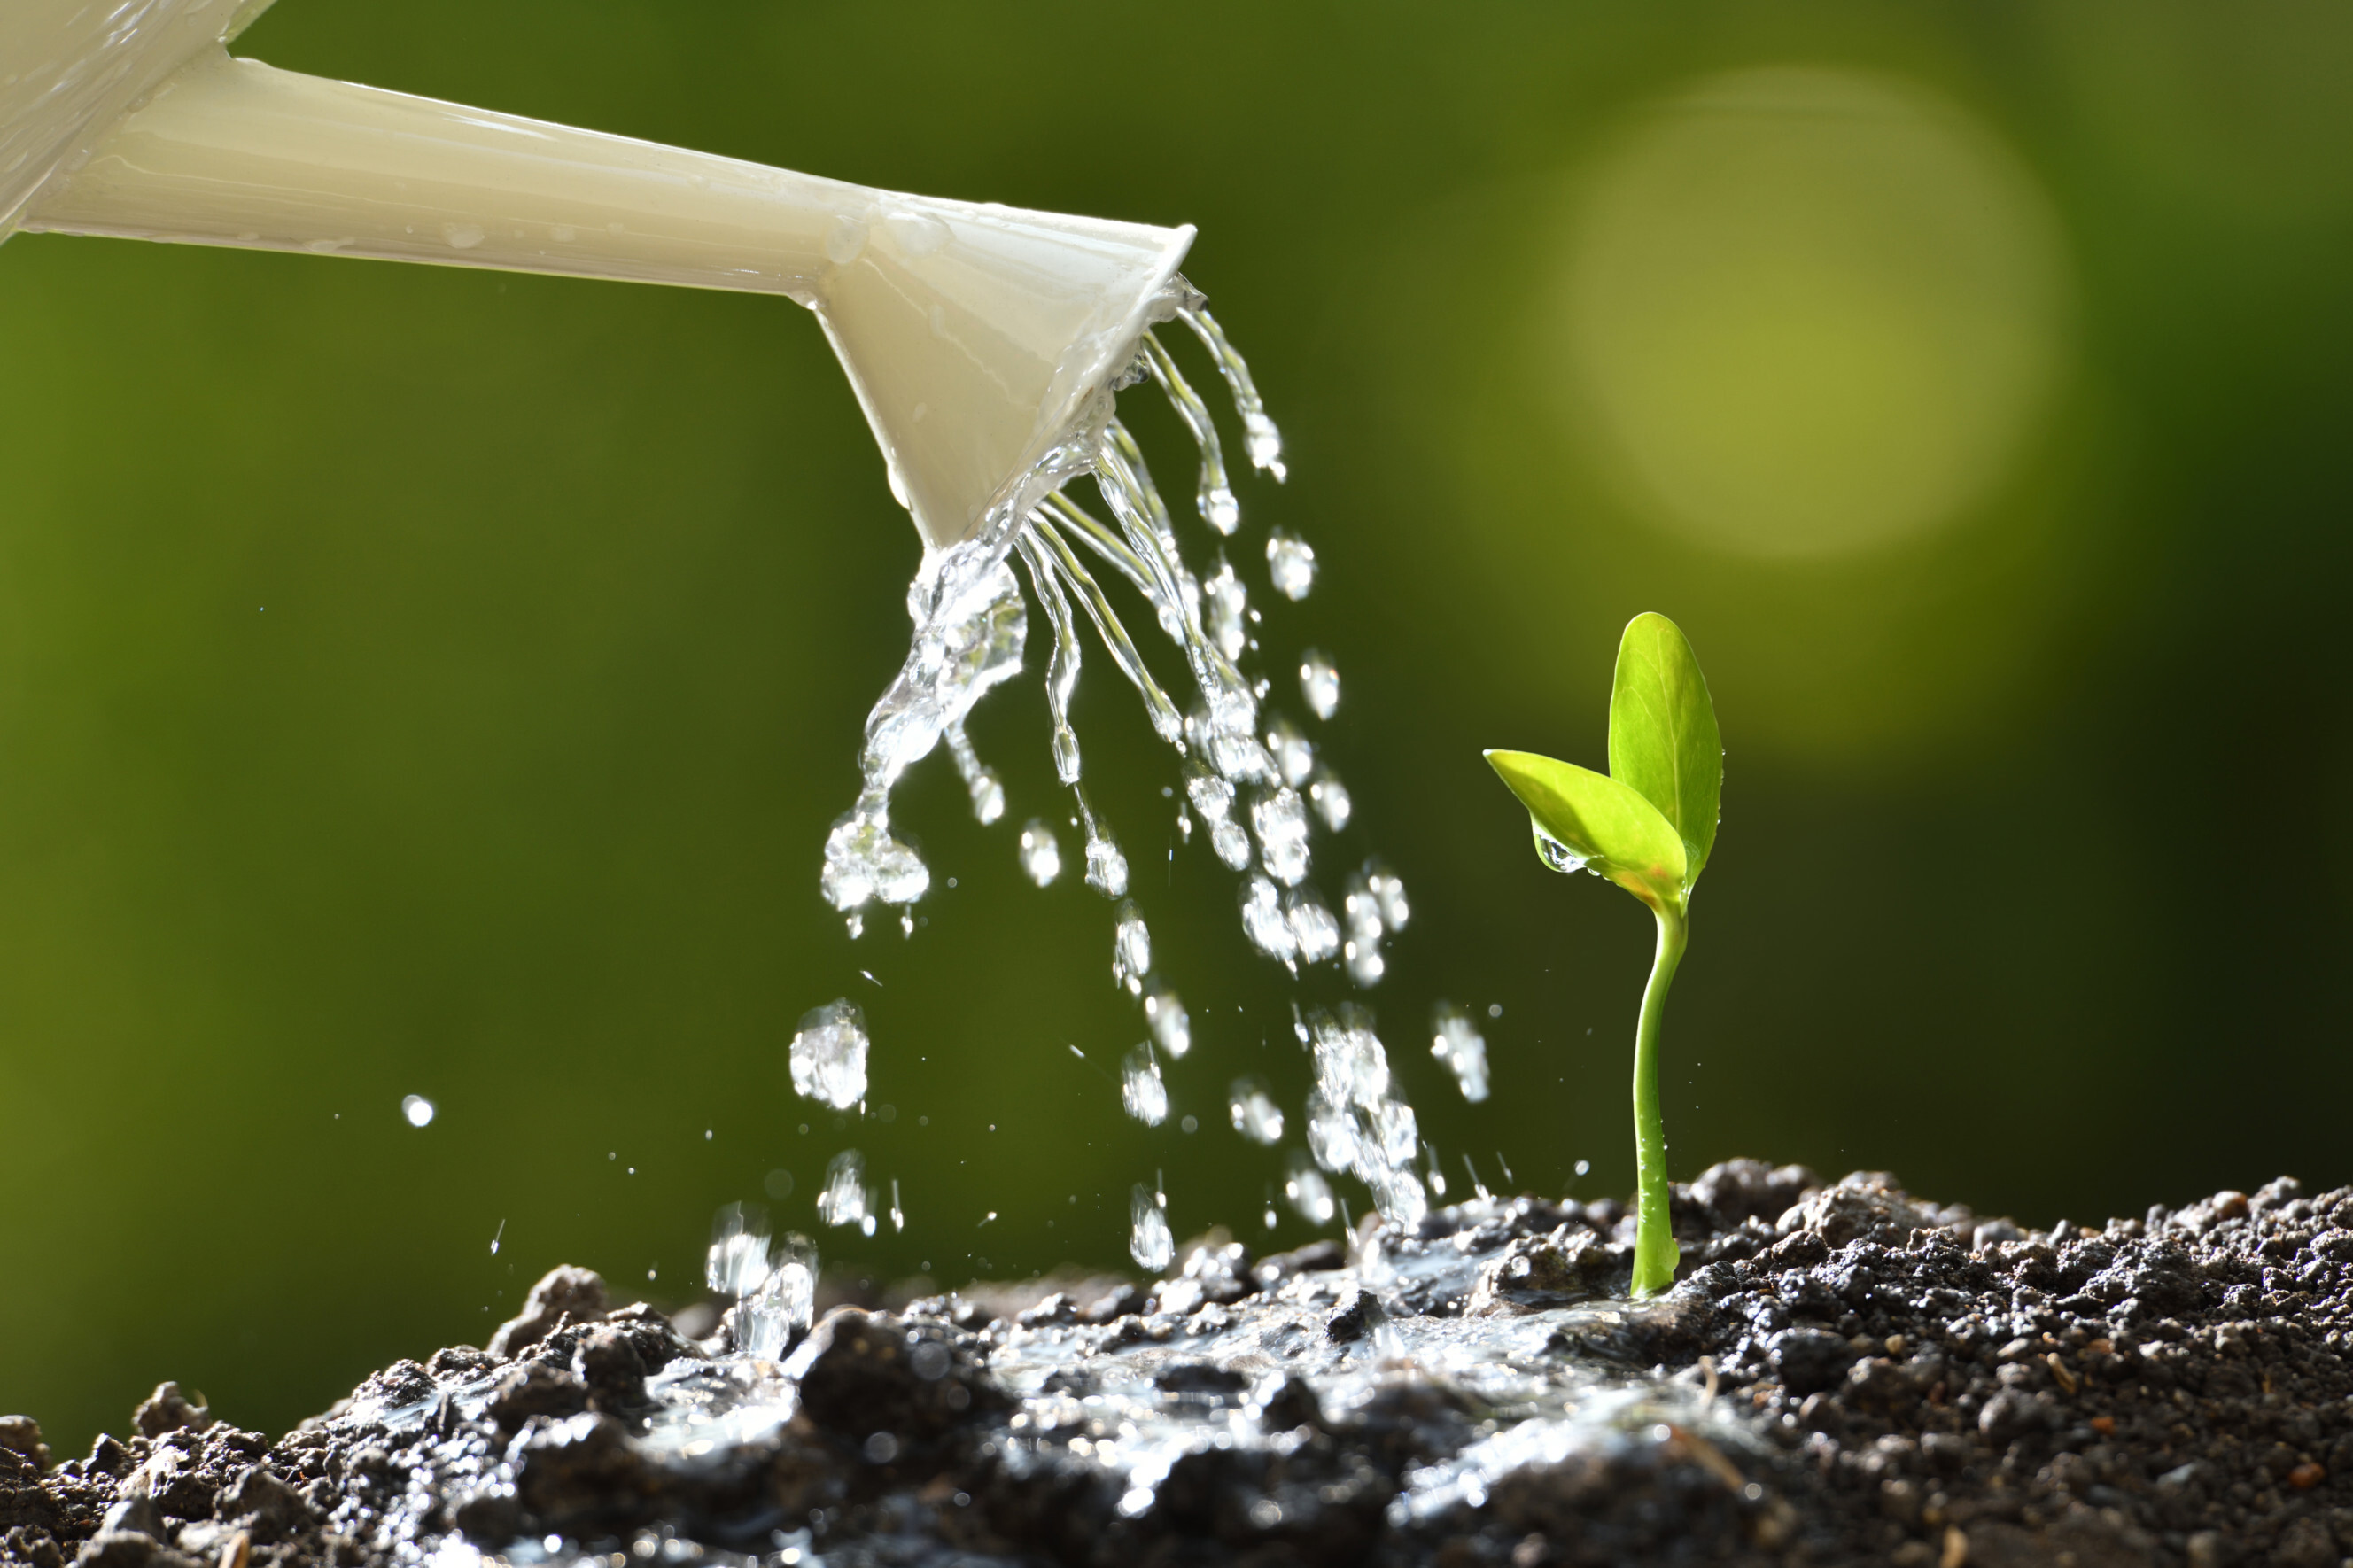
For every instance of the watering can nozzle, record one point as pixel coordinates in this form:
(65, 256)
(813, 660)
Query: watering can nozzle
(975, 335)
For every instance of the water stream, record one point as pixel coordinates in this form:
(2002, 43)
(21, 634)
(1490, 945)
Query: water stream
(1252, 779)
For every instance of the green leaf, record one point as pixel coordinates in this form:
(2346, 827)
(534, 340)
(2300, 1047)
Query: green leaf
(1663, 742)
(1601, 821)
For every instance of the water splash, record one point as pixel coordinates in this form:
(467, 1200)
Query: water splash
(1456, 1041)
(1149, 1241)
(846, 1199)
(1355, 1119)
(738, 1258)
(784, 1304)
(829, 1054)
(1141, 1088)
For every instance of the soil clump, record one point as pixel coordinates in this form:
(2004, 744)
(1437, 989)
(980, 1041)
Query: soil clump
(1843, 1374)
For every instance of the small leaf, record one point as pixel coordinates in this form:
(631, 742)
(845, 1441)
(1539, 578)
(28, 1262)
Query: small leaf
(1662, 736)
(1615, 831)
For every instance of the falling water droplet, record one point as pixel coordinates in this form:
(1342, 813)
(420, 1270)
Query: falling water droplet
(1385, 885)
(1131, 947)
(1280, 822)
(1263, 922)
(980, 780)
(863, 862)
(1148, 1239)
(1226, 609)
(1213, 797)
(1361, 949)
(1291, 561)
(845, 1200)
(1456, 1041)
(1309, 1195)
(1253, 1111)
(1141, 1088)
(1041, 857)
(1319, 683)
(1330, 798)
(1313, 928)
(1294, 758)
(829, 1054)
(1106, 866)
(1170, 1024)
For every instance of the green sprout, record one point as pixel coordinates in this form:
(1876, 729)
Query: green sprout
(1646, 825)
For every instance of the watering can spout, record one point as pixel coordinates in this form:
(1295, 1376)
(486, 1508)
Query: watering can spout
(975, 335)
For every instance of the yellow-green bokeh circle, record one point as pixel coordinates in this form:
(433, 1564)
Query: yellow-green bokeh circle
(1809, 311)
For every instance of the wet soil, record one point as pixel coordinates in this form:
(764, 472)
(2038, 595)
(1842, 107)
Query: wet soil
(1842, 1375)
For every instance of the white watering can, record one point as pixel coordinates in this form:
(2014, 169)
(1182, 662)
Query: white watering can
(972, 332)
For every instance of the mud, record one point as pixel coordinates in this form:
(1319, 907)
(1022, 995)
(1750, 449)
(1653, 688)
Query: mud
(1842, 1375)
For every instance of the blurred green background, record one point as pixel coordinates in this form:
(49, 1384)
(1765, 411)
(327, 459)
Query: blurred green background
(423, 681)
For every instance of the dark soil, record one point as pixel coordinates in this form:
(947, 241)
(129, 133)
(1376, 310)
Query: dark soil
(1843, 1374)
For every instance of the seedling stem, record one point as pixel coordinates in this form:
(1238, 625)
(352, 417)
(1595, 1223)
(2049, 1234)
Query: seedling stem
(1655, 1253)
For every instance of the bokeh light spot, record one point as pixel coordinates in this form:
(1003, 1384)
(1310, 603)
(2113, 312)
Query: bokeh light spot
(1811, 310)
